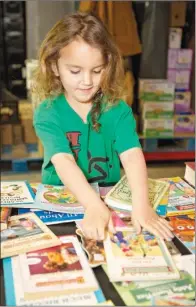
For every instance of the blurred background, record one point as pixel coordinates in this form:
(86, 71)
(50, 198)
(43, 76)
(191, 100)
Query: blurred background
(157, 41)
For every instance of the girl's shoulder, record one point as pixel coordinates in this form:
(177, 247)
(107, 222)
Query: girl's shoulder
(117, 109)
(46, 109)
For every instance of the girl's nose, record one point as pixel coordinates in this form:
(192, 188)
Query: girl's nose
(87, 79)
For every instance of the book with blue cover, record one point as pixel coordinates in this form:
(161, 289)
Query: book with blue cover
(62, 273)
(17, 194)
(58, 199)
(51, 217)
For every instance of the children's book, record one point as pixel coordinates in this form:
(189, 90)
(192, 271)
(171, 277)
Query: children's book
(58, 199)
(189, 175)
(18, 194)
(178, 300)
(51, 217)
(138, 257)
(5, 214)
(94, 250)
(54, 272)
(120, 197)
(181, 197)
(26, 233)
(141, 293)
(14, 291)
(34, 186)
(184, 229)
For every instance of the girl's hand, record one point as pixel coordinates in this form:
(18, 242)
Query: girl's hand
(147, 218)
(96, 220)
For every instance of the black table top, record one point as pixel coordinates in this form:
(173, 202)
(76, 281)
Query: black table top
(106, 286)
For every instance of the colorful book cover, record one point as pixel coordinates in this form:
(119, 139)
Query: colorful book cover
(26, 233)
(138, 257)
(178, 300)
(94, 250)
(14, 292)
(5, 214)
(16, 194)
(181, 197)
(56, 271)
(184, 229)
(120, 196)
(138, 293)
(58, 199)
(51, 217)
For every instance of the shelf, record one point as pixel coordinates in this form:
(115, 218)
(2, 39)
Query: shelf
(169, 156)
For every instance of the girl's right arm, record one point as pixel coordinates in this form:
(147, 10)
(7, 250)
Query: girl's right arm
(97, 215)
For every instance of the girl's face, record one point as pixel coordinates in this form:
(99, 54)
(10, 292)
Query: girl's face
(80, 68)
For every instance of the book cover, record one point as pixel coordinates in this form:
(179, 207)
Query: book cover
(5, 214)
(138, 257)
(51, 217)
(184, 229)
(56, 270)
(138, 293)
(181, 197)
(16, 194)
(94, 249)
(120, 196)
(58, 199)
(14, 292)
(26, 233)
(189, 175)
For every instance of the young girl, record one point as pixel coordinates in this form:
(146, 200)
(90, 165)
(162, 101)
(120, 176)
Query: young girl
(84, 125)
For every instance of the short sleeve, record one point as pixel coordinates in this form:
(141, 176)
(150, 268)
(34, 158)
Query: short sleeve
(125, 133)
(53, 140)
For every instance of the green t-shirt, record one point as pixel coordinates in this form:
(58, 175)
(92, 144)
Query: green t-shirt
(61, 130)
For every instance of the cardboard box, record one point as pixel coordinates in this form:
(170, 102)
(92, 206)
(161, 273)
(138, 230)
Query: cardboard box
(158, 127)
(180, 77)
(156, 90)
(160, 110)
(17, 134)
(175, 38)
(29, 132)
(182, 102)
(6, 135)
(180, 58)
(184, 123)
(177, 13)
(25, 110)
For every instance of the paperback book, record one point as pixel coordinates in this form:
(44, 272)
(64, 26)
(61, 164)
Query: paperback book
(58, 199)
(51, 217)
(55, 276)
(138, 257)
(120, 197)
(184, 229)
(18, 194)
(181, 197)
(5, 214)
(26, 233)
(141, 293)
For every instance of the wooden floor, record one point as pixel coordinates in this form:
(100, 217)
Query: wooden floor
(155, 171)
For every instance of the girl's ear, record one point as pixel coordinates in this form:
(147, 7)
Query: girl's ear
(55, 69)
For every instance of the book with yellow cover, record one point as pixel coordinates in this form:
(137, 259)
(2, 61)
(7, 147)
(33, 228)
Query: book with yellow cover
(138, 257)
(119, 197)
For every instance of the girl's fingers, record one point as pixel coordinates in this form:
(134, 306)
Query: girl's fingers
(166, 223)
(154, 230)
(165, 230)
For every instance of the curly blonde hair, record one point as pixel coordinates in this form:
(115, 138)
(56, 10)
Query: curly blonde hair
(89, 28)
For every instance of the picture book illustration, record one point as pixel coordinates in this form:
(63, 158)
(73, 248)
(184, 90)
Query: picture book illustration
(94, 249)
(25, 233)
(15, 193)
(34, 186)
(20, 228)
(184, 229)
(122, 221)
(4, 216)
(121, 192)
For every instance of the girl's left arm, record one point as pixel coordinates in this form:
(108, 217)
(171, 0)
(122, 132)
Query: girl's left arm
(143, 214)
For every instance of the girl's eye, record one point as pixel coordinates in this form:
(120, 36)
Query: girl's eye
(74, 72)
(97, 71)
